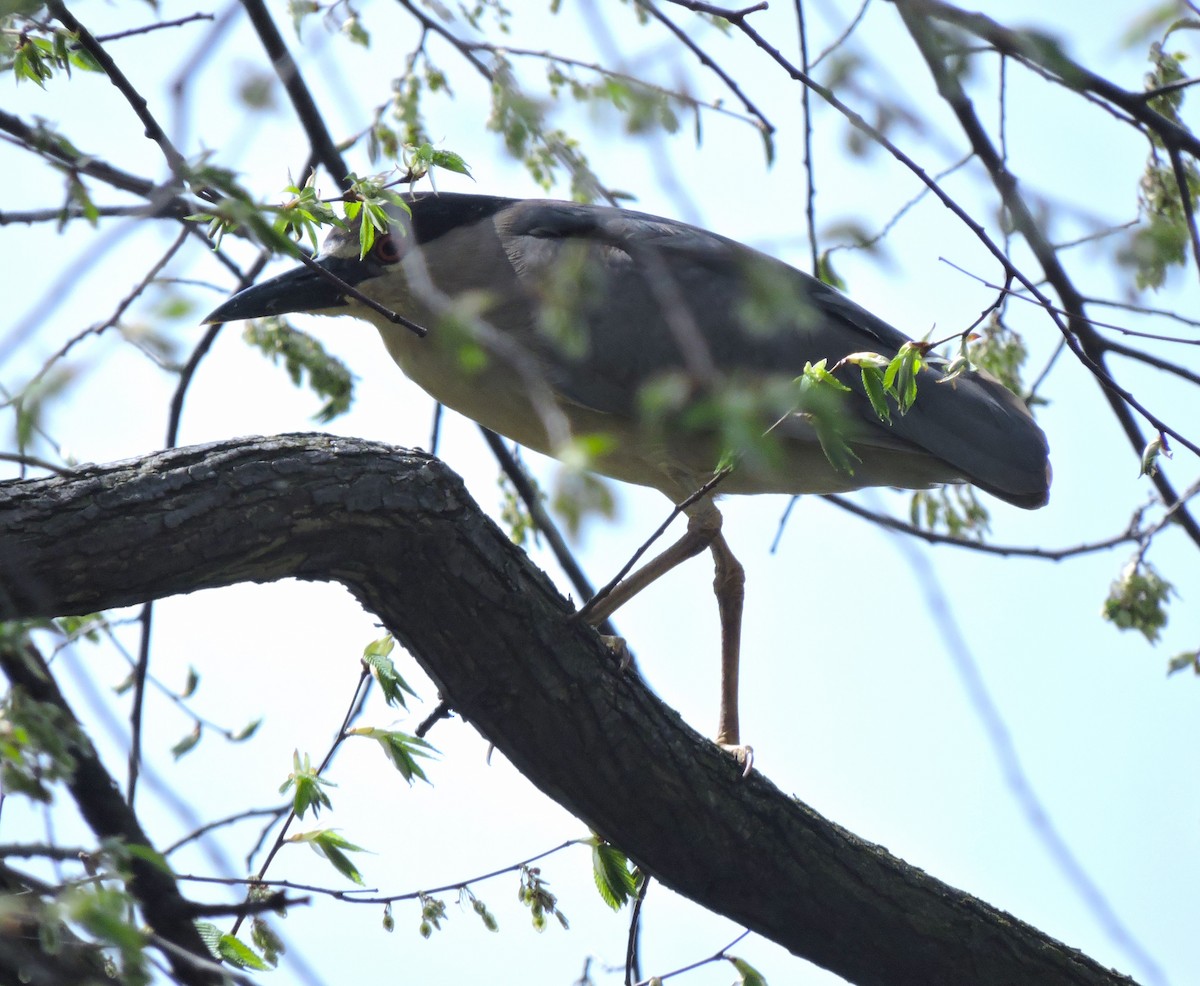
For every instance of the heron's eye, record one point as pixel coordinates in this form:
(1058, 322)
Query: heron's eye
(386, 249)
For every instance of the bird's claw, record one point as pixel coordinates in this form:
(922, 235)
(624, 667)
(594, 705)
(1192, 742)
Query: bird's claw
(742, 753)
(619, 649)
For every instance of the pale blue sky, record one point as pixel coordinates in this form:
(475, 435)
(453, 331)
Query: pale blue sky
(850, 695)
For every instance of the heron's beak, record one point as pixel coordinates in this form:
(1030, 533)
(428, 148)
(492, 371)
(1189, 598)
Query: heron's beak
(299, 290)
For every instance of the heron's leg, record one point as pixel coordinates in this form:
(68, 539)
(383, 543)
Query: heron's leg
(701, 531)
(729, 584)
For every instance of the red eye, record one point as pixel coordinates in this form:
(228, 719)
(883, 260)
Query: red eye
(386, 249)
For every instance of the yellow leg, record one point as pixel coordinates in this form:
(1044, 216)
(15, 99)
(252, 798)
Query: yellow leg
(703, 531)
(729, 584)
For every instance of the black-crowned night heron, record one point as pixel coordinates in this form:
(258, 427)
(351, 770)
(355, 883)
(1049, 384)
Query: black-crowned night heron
(552, 320)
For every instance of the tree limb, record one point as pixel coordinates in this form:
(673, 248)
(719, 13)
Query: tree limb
(109, 817)
(399, 530)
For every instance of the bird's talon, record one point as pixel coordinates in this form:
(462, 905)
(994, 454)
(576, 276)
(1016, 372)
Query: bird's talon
(742, 753)
(619, 649)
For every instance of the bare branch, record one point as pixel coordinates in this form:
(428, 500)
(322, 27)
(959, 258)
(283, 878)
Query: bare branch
(1033, 49)
(101, 805)
(175, 160)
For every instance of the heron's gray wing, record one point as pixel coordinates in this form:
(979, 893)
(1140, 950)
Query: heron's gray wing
(657, 297)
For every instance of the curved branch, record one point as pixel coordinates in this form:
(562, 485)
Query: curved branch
(109, 817)
(507, 651)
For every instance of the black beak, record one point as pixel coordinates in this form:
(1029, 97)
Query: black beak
(300, 290)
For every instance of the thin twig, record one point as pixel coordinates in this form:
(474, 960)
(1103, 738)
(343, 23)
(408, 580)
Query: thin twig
(352, 712)
(729, 81)
(148, 28)
(810, 178)
(632, 963)
(678, 509)
(356, 896)
(532, 500)
(1185, 198)
(687, 99)
(101, 327)
(136, 101)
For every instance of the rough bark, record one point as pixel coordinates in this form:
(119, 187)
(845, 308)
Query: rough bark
(399, 530)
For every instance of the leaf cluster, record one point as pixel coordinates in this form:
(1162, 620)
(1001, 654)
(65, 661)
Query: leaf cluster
(535, 894)
(38, 59)
(37, 746)
(1137, 600)
(1161, 241)
(305, 360)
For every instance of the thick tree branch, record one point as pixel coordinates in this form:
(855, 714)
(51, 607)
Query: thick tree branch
(398, 529)
(23, 959)
(109, 817)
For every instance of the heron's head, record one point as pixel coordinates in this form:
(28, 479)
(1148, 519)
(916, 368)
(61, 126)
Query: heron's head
(320, 288)
(466, 247)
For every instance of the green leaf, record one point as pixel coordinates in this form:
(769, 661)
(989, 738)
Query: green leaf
(240, 955)
(305, 213)
(999, 350)
(613, 874)
(29, 63)
(1188, 659)
(1137, 600)
(189, 687)
(88, 627)
(375, 657)
(147, 854)
(1150, 455)
(37, 744)
(827, 274)
(400, 748)
(309, 787)
(303, 356)
(433, 913)
(333, 846)
(450, 161)
(246, 731)
(900, 378)
(872, 380)
(188, 742)
(465, 895)
(748, 975)
(266, 941)
(300, 9)
(579, 494)
(534, 893)
(956, 510)
(353, 29)
(815, 374)
(105, 913)
(210, 934)
(821, 401)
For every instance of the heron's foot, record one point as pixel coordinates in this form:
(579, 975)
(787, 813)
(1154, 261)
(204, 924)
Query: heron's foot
(742, 753)
(619, 649)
